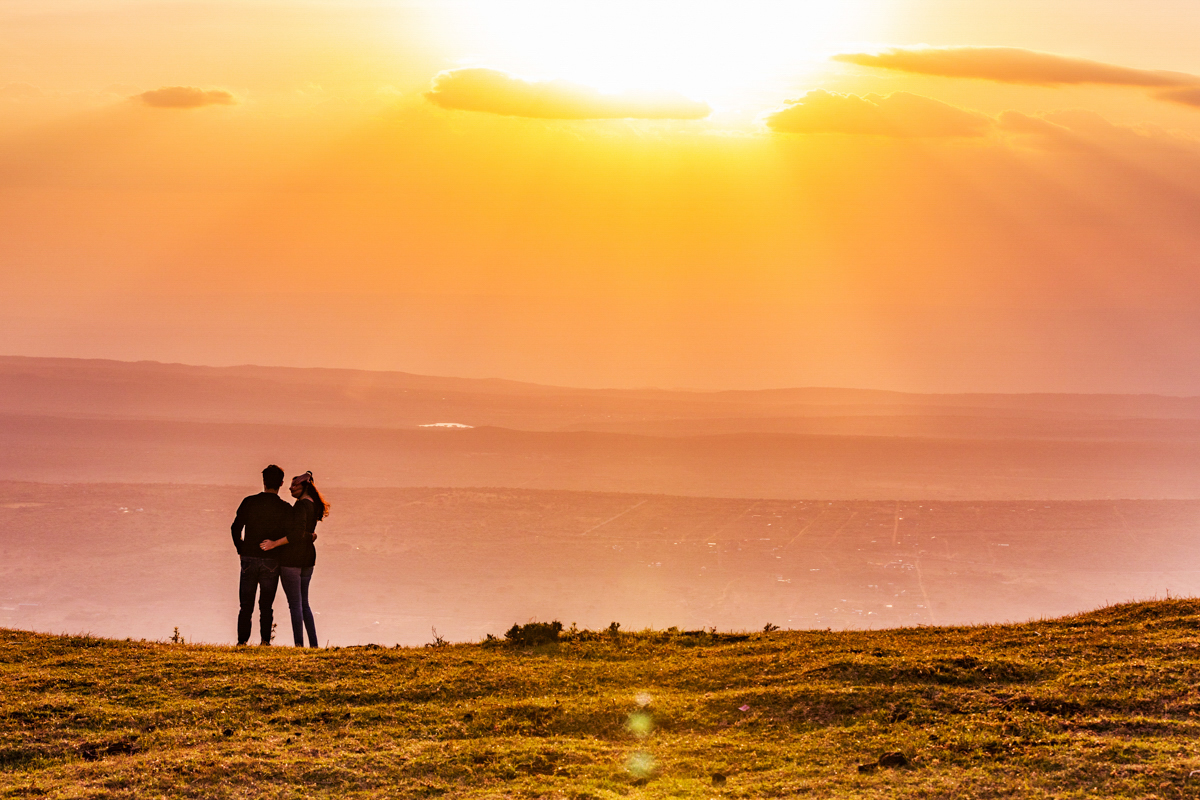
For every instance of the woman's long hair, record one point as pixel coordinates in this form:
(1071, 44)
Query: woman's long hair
(310, 489)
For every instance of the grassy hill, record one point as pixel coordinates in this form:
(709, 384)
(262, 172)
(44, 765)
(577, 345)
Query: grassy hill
(1102, 704)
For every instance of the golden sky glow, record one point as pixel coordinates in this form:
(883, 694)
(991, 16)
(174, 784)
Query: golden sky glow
(915, 194)
(718, 51)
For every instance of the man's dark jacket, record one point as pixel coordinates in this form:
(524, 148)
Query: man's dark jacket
(263, 516)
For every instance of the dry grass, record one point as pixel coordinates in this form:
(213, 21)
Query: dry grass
(1103, 704)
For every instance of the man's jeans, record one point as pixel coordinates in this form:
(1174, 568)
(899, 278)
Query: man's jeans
(257, 573)
(295, 588)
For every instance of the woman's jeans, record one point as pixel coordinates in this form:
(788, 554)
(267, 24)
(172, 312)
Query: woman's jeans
(295, 587)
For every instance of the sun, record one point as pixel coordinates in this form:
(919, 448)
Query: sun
(713, 51)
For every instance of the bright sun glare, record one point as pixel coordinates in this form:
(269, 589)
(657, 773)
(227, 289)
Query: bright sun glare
(708, 50)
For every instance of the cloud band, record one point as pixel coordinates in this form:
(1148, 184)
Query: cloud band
(496, 92)
(1014, 65)
(185, 97)
(898, 115)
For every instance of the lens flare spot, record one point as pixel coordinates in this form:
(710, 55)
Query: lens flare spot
(641, 764)
(640, 724)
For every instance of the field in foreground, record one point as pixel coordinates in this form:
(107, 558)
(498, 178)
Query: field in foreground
(1102, 704)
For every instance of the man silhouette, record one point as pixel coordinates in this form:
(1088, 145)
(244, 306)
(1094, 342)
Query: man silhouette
(263, 516)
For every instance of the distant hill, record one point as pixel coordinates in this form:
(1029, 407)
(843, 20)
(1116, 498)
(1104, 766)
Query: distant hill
(1101, 704)
(329, 397)
(79, 420)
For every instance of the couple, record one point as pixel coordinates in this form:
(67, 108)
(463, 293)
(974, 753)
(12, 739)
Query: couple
(278, 547)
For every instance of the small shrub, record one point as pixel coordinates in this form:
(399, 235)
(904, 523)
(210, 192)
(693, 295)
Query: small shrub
(534, 633)
(438, 639)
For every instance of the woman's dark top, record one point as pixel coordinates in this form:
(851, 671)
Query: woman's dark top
(300, 550)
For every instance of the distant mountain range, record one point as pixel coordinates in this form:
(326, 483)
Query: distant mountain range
(109, 421)
(359, 398)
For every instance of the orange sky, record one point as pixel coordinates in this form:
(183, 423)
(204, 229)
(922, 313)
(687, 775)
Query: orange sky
(910, 194)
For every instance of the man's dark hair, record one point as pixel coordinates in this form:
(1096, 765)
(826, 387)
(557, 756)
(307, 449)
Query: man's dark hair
(272, 477)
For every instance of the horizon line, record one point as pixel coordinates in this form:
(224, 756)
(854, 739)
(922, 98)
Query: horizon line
(560, 387)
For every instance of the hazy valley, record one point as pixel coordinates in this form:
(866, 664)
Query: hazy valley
(139, 560)
(651, 509)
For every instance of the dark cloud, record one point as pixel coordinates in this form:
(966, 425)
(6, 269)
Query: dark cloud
(1188, 96)
(1014, 65)
(900, 115)
(497, 92)
(185, 97)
